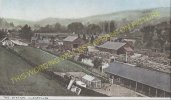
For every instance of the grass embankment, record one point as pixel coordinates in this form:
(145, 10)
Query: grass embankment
(10, 65)
(38, 57)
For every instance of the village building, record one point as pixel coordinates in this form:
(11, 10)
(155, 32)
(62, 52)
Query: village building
(149, 82)
(116, 47)
(131, 42)
(38, 37)
(7, 42)
(49, 35)
(91, 81)
(12, 42)
(53, 40)
(20, 42)
(72, 42)
(82, 79)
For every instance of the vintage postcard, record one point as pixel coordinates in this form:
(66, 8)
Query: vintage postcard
(85, 49)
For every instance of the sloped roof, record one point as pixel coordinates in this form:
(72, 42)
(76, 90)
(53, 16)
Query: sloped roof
(129, 40)
(76, 74)
(112, 45)
(151, 78)
(88, 77)
(50, 34)
(17, 42)
(4, 39)
(70, 38)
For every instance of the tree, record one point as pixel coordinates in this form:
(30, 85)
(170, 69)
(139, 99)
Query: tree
(81, 56)
(93, 29)
(36, 27)
(11, 24)
(148, 34)
(26, 32)
(108, 26)
(76, 27)
(2, 33)
(92, 39)
(97, 62)
(46, 29)
(84, 37)
(112, 26)
(57, 27)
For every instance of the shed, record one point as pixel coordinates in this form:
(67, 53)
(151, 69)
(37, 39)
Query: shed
(71, 42)
(91, 81)
(147, 77)
(116, 47)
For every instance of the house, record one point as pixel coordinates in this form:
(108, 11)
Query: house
(84, 80)
(91, 81)
(148, 82)
(7, 42)
(49, 35)
(12, 42)
(76, 75)
(42, 36)
(19, 42)
(116, 47)
(131, 42)
(71, 42)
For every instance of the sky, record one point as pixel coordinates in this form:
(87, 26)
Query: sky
(40, 9)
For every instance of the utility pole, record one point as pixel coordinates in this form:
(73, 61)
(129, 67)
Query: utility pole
(126, 57)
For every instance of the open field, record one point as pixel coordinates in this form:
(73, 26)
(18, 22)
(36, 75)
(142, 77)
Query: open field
(11, 64)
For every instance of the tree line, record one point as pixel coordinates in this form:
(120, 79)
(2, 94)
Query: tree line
(75, 27)
(157, 36)
(78, 28)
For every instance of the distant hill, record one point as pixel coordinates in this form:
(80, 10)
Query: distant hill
(5, 24)
(117, 16)
(20, 22)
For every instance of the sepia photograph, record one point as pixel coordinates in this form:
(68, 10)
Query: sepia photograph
(85, 49)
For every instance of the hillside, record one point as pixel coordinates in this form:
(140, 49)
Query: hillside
(11, 64)
(38, 57)
(19, 21)
(5, 24)
(117, 16)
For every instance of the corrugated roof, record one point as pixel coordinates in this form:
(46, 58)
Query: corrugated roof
(70, 38)
(151, 78)
(112, 45)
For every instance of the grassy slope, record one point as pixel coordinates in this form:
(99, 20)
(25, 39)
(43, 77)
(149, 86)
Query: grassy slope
(38, 56)
(10, 65)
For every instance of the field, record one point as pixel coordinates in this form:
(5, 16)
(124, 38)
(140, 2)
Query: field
(11, 64)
